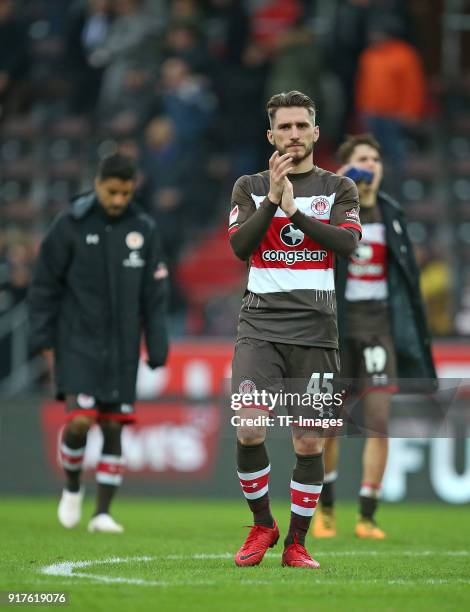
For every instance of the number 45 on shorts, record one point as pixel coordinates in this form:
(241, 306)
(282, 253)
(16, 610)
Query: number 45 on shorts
(320, 386)
(320, 383)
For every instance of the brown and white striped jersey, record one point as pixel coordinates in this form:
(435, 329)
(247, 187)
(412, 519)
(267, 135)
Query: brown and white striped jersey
(290, 295)
(366, 291)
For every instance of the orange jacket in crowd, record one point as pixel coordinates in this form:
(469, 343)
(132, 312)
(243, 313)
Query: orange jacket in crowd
(390, 81)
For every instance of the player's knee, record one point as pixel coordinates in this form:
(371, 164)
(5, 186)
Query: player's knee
(250, 436)
(377, 426)
(308, 445)
(80, 424)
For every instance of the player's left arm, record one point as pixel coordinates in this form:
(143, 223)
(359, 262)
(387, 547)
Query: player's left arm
(154, 303)
(343, 232)
(345, 210)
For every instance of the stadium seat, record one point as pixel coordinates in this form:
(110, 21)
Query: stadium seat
(427, 211)
(460, 167)
(420, 232)
(427, 165)
(462, 214)
(17, 140)
(12, 189)
(62, 189)
(416, 188)
(68, 139)
(463, 254)
(208, 270)
(460, 188)
(23, 169)
(13, 148)
(461, 122)
(462, 230)
(459, 146)
(20, 212)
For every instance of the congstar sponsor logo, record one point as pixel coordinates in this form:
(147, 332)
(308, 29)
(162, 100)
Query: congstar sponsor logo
(292, 257)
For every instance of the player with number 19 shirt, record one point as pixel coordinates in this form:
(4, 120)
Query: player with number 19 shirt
(385, 345)
(288, 223)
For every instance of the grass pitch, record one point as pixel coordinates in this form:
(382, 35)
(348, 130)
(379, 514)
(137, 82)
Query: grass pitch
(178, 555)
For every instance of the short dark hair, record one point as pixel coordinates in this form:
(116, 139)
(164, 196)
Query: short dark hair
(347, 148)
(286, 100)
(117, 166)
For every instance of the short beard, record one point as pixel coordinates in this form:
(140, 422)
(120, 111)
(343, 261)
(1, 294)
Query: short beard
(297, 160)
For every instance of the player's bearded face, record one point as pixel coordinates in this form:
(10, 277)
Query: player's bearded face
(114, 195)
(298, 150)
(294, 132)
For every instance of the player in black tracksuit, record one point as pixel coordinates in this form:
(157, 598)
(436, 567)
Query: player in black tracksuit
(99, 283)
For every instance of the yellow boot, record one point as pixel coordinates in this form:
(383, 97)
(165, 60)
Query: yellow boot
(368, 529)
(324, 523)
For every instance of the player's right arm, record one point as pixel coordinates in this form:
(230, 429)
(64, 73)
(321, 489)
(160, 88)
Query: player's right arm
(154, 302)
(47, 285)
(248, 225)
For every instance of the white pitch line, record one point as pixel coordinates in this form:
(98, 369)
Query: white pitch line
(67, 569)
(340, 553)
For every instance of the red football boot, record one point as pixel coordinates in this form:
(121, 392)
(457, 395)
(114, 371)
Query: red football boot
(296, 555)
(257, 543)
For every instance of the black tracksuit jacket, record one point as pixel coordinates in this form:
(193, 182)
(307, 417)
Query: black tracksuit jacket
(99, 282)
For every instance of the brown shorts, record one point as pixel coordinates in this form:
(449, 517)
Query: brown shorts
(87, 405)
(368, 363)
(296, 373)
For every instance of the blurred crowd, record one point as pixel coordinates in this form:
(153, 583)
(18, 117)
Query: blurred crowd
(181, 85)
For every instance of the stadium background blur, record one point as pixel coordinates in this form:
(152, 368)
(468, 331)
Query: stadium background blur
(181, 86)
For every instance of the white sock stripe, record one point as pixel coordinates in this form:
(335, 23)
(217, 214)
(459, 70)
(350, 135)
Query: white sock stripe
(112, 459)
(72, 452)
(72, 467)
(253, 475)
(256, 494)
(111, 479)
(305, 488)
(330, 477)
(301, 510)
(369, 492)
